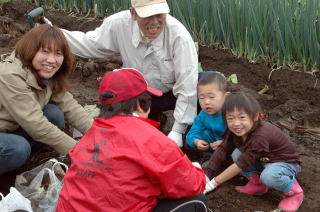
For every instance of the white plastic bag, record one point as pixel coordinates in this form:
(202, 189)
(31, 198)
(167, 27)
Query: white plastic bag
(14, 201)
(42, 185)
(3, 206)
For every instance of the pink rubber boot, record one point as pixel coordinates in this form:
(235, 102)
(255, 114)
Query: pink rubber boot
(253, 187)
(294, 198)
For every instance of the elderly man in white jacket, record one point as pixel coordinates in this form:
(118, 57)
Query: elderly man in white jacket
(157, 44)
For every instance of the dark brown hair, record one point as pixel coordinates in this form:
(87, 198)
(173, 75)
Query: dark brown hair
(46, 36)
(214, 77)
(241, 101)
(125, 107)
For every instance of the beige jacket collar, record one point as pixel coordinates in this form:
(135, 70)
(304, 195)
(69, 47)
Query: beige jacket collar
(30, 78)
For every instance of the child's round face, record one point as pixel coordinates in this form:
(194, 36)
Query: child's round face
(239, 122)
(211, 98)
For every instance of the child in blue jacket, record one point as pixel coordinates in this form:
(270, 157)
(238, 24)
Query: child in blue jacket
(208, 127)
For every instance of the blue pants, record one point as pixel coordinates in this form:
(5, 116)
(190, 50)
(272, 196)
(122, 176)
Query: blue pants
(15, 148)
(278, 175)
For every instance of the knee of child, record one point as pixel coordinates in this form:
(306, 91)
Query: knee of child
(235, 155)
(268, 178)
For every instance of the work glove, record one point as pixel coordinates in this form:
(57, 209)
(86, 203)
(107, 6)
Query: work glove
(176, 137)
(210, 186)
(47, 21)
(196, 164)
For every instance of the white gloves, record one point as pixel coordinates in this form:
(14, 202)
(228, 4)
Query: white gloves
(196, 164)
(210, 186)
(177, 137)
(47, 21)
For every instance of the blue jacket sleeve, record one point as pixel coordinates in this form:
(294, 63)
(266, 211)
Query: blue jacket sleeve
(196, 130)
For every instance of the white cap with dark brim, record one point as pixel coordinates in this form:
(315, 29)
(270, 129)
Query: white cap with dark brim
(147, 8)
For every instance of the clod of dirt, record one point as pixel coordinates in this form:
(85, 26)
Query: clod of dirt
(88, 68)
(295, 111)
(101, 65)
(7, 26)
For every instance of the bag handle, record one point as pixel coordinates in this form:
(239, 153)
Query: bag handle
(3, 205)
(55, 162)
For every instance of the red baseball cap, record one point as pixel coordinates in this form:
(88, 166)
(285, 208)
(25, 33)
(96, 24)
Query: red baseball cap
(126, 83)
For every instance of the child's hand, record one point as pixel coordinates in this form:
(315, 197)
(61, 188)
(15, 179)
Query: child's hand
(215, 144)
(210, 186)
(201, 144)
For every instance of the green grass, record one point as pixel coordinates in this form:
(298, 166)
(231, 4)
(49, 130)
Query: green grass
(284, 31)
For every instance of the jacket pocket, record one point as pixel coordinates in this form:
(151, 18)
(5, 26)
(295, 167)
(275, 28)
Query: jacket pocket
(167, 72)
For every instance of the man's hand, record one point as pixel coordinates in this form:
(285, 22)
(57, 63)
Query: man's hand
(177, 137)
(210, 186)
(215, 144)
(201, 144)
(47, 21)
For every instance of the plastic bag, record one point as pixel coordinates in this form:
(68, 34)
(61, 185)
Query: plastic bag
(3, 206)
(14, 201)
(42, 185)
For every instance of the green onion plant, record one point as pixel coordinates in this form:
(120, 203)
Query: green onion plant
(284, 31)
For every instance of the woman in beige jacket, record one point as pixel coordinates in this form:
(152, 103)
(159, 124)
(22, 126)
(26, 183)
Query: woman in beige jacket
(34, 101)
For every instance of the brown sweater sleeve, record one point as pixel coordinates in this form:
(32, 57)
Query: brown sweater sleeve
(267, 144)
(220, 159)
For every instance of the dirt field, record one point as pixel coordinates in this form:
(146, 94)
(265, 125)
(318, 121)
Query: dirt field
(292, 102)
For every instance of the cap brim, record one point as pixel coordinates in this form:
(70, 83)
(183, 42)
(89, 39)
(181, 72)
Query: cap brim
(154, 9)
(154, 91)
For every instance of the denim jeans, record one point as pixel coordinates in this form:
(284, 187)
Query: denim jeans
(15, 148)
(277, 175)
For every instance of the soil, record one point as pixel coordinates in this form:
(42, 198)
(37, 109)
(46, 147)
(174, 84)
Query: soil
(292, 102)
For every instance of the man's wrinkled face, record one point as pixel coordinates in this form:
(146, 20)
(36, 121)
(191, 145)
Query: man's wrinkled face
(151, 26)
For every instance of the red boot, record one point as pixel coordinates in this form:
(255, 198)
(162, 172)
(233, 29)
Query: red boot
(253, 187)
(294, 198)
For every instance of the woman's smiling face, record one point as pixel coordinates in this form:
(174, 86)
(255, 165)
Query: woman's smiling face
(47, 61)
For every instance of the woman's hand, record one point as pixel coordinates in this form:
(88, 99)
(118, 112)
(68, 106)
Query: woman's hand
(201, 144)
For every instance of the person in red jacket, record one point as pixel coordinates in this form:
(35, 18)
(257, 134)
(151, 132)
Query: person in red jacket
(123, 163)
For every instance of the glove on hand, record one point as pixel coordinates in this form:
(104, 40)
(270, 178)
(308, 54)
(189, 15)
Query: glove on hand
(177, 137)
(47, 21)
(196, 164)
(207, 179)
(210, 186)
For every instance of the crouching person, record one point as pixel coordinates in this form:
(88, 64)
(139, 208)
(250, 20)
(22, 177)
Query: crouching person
(123, 163)
(261, 152)
(34, 101)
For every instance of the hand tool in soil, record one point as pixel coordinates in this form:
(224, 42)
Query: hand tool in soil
(37, 13)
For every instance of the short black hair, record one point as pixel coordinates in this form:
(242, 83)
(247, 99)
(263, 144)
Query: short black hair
(214, 77)
(126, 107)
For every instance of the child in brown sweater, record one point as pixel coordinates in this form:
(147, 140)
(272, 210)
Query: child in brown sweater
(260, 151)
